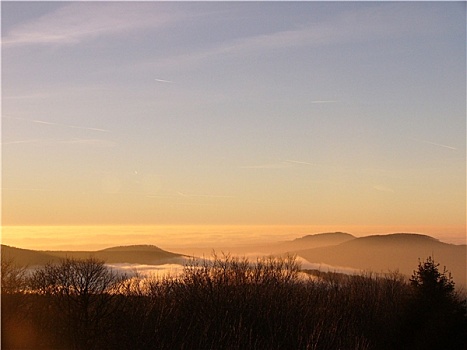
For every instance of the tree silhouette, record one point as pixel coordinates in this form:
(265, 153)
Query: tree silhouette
(233, 303)
(13, 277)
(82, 291)
(431, 284)
(437, 314)
(13, 285)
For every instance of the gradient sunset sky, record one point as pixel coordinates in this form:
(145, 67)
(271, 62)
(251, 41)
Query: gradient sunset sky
(234, 113)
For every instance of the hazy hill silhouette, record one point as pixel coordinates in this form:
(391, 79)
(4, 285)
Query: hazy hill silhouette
(377, 253)
(136, 254)
(384, 253)
(305, 242)
(320, 240)
(26, 257)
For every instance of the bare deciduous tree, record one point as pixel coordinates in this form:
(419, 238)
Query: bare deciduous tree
(13, 277)
(83, 290)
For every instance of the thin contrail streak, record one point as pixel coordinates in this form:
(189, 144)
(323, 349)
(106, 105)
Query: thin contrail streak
(268, 166)
(298, 162)
(71, 126)
(164, 81)
(435, 144)
(21, 141)
(58, 124)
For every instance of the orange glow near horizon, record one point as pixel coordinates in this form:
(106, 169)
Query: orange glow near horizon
(199, 135)
(86, 237)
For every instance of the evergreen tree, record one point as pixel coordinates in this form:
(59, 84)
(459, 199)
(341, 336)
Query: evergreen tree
(431, 284)
(437, 317)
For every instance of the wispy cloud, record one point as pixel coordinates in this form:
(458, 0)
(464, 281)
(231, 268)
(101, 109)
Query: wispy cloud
(360, 25)
(287, 163)
(41, 95)
(91, 142)
(76, 22)
(22, 141)
(164, 81)
(324, 101)
(280, 165)
(84, 142)
(298, 162)
(37, 121)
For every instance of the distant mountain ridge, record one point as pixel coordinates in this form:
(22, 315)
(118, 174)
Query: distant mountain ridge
(134, 248)
(326, 235)
(137, 254)
(323, 239)
(377, 253)
(416, 237)
(392, 252)
(306, 242)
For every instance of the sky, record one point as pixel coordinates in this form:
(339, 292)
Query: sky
(342, 114)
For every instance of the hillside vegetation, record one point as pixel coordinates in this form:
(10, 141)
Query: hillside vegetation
(135, 254)
(384, 253)
(229, 303)
(375, 253)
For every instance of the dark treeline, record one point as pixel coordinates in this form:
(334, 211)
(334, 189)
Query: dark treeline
(229, 303)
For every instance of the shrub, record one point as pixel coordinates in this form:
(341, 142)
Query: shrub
(437, 318)
(81, 291)
(233, 303)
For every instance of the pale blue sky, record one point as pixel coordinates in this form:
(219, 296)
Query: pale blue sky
(272, 113)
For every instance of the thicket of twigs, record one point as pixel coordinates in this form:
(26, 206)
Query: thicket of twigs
(229, 303)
